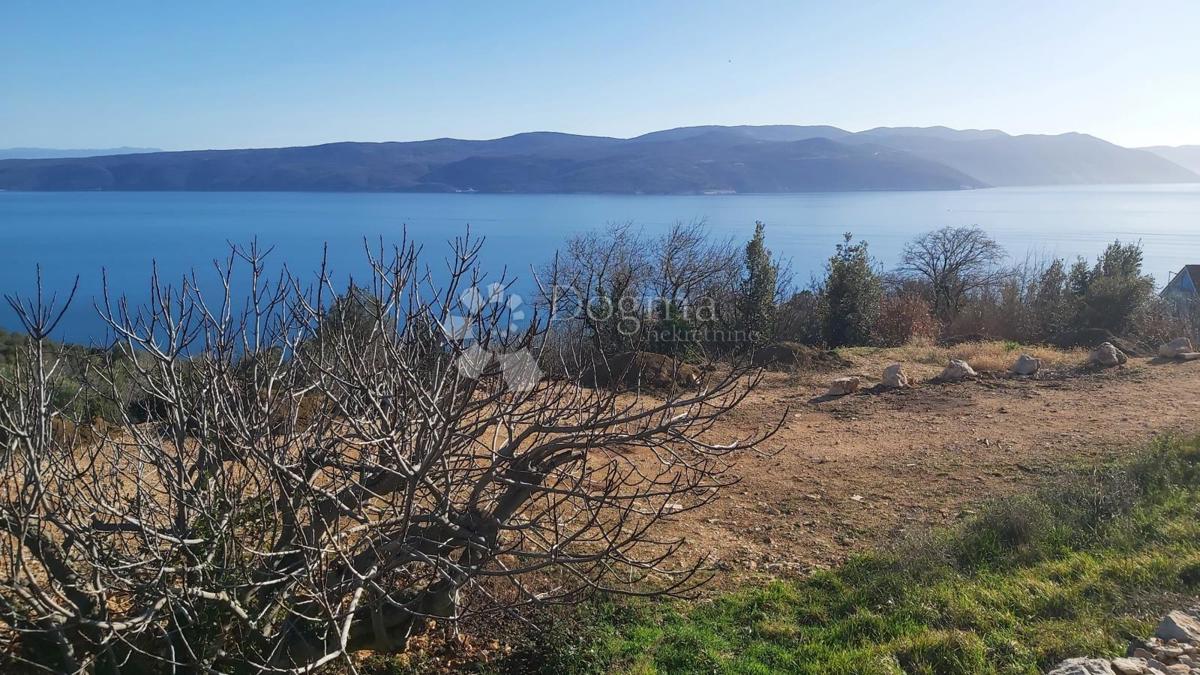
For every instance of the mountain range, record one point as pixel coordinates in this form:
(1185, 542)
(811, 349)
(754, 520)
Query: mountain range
(689, 160)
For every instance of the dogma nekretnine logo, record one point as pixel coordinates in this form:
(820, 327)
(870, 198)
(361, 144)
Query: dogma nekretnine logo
(518, 368)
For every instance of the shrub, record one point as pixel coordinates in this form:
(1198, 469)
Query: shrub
(1114, 291)
(1012, 530)
(1159, 321)
(799, 319)
(903, 318)
(850, 295)
(1051, 302)
(1053, 307)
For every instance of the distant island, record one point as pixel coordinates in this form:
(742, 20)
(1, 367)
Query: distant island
(691, 160)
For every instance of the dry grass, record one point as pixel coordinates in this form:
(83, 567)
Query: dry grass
(991, 356)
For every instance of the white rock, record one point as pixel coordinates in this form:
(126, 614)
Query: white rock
(1176, 347)
(894, 377)
(957, 370)
(1026, 365)
(1130, 666)
(1082, 666)
(842, 386)
(1178, 626)
(1107, 355)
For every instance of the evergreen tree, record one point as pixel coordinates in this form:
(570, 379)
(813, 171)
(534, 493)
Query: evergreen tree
(1053, 306)
(757, 294)
(851, 295)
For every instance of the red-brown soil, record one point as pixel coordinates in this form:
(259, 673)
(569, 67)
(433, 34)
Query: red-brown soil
(854, 472)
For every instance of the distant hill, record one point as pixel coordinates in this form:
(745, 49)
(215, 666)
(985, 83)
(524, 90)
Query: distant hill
(689, 160)
(996, 158)
(772, 132)
(1187, 156)
(55, 153)
(883, 134)
(708, 164)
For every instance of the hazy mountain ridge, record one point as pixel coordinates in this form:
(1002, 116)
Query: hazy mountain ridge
(997, 158)
(688, 160)
(1187, 156)
(808, 165)
(60, 153)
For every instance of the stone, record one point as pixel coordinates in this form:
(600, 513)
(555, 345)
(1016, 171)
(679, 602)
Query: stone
(1188, 356)
(1157, 667)
(1108, 356)
(1130, 666)
(956, 371)
(894, 377)
(1026, 365)
(1178, 626)
(1168, 652)
(1082, 666)
(843, 386)
(1177, 669)
(1176, 347)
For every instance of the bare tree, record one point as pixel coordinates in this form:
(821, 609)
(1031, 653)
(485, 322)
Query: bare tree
(955, 262)
(602, 280)
(320, 479)
(690, 264)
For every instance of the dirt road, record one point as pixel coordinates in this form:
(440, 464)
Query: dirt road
(856, 471)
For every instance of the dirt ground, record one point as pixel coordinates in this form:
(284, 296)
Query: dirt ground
(854, 472)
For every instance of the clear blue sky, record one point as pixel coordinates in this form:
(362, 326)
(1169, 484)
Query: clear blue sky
(218, 74)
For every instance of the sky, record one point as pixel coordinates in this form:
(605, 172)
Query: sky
(221, 74)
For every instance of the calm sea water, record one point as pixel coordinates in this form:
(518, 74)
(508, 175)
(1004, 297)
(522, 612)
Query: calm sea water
(125, 232)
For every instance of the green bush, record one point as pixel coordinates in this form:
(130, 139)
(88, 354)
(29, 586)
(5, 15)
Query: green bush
(850, 296)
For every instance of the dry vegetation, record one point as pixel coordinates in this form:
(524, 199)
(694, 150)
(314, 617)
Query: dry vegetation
(324, 473)
(292, 477)
(991, 356)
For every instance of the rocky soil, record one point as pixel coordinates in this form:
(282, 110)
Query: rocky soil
(851, 472)
(1173, 650)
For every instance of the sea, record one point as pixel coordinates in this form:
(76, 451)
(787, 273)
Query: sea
(112, 241)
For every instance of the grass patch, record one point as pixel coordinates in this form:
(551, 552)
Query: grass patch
(990, 356)
(993, 356)
(1076, 569)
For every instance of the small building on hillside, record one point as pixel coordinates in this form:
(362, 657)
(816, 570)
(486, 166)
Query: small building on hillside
(1185, 287)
